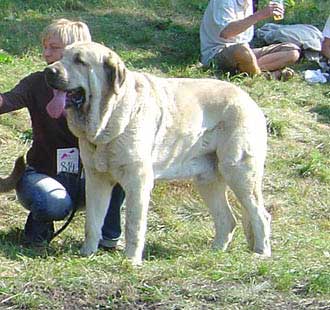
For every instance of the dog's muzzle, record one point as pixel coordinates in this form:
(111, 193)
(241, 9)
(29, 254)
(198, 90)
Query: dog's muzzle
(53, 78)
(74, 97)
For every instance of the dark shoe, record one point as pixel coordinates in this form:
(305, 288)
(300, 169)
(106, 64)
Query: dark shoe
(37, 233)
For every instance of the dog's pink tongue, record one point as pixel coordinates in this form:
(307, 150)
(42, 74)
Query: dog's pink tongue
(56, 106)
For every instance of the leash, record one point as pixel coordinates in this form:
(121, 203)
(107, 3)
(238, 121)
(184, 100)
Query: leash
(75, 205)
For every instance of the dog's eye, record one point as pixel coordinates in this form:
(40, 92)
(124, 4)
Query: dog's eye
(78, 60)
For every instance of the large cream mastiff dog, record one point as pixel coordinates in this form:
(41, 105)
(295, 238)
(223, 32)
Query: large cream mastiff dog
(134, 128)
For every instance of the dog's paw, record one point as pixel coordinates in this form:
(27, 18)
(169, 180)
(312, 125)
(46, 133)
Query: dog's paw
(262, 254)
(220, 245)
(86, 250)
(134, 260)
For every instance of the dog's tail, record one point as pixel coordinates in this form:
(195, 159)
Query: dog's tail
(8, 183)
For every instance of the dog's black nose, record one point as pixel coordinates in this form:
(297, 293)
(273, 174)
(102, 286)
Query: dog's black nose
(51, 71)
(52, 75)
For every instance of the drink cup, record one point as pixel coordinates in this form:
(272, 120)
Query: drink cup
(281, 3)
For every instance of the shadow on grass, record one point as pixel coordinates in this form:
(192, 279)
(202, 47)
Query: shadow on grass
(12, 246)
(155, 251)
(323, 112)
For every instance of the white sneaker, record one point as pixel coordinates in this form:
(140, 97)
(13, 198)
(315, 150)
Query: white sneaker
(111, 244)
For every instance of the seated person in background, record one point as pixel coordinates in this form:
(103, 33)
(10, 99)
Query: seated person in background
(227, 29)
(326, 40)
(45, 189)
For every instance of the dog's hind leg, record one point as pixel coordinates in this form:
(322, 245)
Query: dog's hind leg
(98, 195)
(256, 220)
(244, 177)
(247, 227)
(214, 194)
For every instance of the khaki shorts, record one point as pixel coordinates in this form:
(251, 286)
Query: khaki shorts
(225, 62)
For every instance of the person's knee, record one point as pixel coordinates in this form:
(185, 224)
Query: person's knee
(59, 205)
(292, 52)
(241, 53)
(245, 59)
(55, 210)
(295, 55)
(292, 57)
(45, 197)
(293, 46)
(46, 206)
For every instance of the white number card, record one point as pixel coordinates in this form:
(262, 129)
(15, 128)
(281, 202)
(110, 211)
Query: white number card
(68, 160)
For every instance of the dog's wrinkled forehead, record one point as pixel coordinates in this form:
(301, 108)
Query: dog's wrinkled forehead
(88, 53)
(81, 54)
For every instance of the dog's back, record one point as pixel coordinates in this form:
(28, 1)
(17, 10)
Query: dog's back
(195, 120)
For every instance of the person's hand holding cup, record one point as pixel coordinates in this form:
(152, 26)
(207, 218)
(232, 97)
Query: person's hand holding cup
(278, 12)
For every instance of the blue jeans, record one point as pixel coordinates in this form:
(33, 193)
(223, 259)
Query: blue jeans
(52, 199)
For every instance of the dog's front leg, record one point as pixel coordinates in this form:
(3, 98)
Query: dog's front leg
(138, 192)
(98, 195)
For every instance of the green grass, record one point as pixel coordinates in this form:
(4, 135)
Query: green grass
(180, 270)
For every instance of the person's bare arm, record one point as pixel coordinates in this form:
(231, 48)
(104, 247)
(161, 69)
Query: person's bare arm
(326, 48)
(236, 27)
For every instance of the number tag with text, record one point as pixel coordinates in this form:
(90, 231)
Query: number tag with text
(68, 160)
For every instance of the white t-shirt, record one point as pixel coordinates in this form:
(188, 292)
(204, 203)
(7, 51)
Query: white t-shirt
(326, 30)
(218, 14)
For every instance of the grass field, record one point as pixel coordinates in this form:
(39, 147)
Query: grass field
(180, 270)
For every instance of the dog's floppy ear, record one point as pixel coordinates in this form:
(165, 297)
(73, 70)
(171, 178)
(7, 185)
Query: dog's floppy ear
(115, 70)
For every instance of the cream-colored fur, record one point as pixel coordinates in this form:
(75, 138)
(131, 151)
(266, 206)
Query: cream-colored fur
(135, 128)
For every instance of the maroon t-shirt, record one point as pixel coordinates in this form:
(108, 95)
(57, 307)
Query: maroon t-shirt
(49, 134)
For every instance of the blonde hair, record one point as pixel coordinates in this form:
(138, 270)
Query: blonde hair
(67, 31)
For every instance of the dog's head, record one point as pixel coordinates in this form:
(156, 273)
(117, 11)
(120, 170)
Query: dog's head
(87, 81)
(87, 74)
